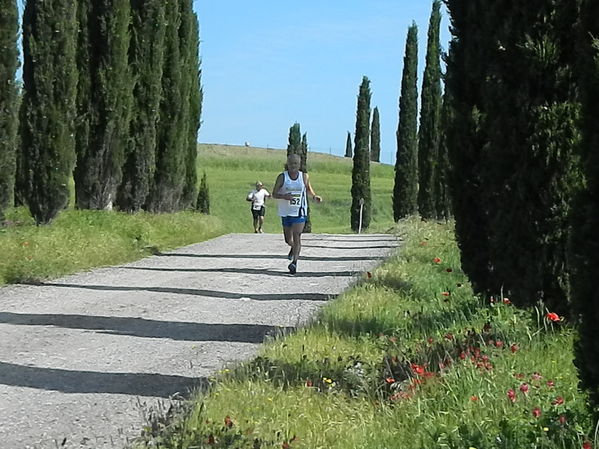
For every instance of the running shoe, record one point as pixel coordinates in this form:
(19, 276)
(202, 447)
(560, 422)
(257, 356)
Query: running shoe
(292, 268)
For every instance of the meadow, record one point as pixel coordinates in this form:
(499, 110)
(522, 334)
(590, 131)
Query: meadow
(232, 172)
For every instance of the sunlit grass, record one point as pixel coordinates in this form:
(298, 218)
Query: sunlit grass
(79, 240)
(409, 358)
(232, 172)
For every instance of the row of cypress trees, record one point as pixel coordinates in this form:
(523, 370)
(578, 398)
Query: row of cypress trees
(111, 98)
(421, 161)
(523, 93)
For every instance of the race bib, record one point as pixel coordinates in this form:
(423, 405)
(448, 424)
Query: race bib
(256, 207)
(296, 198)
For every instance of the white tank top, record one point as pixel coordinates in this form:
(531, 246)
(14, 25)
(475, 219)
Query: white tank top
(297, 206)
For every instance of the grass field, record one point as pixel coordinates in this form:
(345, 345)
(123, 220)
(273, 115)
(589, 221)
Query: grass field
(232, 172)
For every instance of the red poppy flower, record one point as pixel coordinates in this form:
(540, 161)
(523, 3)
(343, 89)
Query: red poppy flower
(499, 344)
(418, 369)
(474, 398)
(551, 316)
(587, 445)
(430, 340)
(536, 376)
(536, 412)
(507, 301)
(437, 260)
(558, 401)
(511, 394)
(550, 383)
(514, 347)
(462, 355)
(309, 383)
(562, 419)
(446, 293)
(285, 445)
(524, 388)
(211, 439)
(449, 336)
(390, 380)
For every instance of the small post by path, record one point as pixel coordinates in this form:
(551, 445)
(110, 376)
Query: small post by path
(361, 209)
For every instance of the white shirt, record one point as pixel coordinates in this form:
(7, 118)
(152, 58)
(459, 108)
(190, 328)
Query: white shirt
(298, 205)
(257, 197)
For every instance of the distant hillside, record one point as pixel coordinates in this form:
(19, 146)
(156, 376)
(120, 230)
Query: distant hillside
(233, 170)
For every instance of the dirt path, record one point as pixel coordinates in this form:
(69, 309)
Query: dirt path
(81, 356)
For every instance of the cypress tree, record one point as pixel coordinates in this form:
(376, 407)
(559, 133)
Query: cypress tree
(304, 168)
(531, 167)
(8, 102)
(203, 201)
(442, 198)
(146, 56)
(360, 189)
(104, 106)
(470, 48)
(348, 148)
(430, 112)
(295, 140)
(405, 189)
(585, 241)
(195, 111)
(375, 137)
(47, 121)
(169, 177)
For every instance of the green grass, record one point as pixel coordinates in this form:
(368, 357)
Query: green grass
(409, 358)
(79, 240)
(232, 172)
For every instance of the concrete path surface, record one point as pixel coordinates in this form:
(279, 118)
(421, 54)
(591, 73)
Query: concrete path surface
(81, 356)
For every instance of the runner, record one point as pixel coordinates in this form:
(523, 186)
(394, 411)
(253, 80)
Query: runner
(257, 198)
(291, 189)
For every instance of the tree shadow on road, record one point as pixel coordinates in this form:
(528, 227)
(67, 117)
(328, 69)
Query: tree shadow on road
(256, 271)
(71, 381)
(199, 292)
(141, 327)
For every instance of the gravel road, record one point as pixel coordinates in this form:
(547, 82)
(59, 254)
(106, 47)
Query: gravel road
(82, 356)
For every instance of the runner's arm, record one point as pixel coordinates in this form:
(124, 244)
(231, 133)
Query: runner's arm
(276, 189)
(310, 190)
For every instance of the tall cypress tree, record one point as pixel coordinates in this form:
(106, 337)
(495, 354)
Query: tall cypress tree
(471, 45)
(194, 116)
(105, 105)
(585, 242)
(169, 177)
(442, 197)
(47, 121)
(146, 56)
(348, 147)
(294, 145)
(430, 113)
(531, 164)
(375, 137)
(360, 189)
(405, 189)
(8, 102)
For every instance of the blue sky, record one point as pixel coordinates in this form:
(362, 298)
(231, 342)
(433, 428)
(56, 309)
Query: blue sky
(267, 64)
